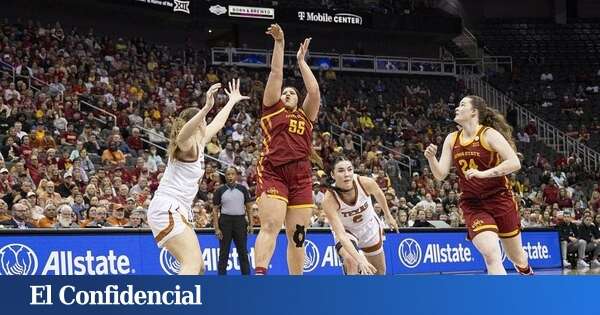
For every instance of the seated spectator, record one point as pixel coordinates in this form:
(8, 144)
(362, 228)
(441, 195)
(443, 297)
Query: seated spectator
(590, 233)
(134, 141)
(49, 195)
(49, 219)
(402, 219)
(569, 239)
(4, 215)
(136, 220)
(118, 216)
(427, 203)
(112, 156)
(79, 206)
(66, 218)
(420, 220)
(65, 188)
(99, 219)
(19, 220)
(89, 215)
(37, 212)
(153, 160)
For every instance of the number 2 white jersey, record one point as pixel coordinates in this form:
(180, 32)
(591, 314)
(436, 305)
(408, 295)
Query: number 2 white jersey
(358, 214)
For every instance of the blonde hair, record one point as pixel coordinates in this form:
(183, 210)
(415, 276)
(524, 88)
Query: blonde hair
(176, 127)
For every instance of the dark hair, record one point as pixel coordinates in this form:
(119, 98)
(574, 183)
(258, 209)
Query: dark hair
(339, 159)
(295, 90)
(492, 118)
(237, 172)
(179, 122)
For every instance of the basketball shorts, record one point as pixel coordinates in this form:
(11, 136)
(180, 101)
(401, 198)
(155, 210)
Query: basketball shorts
(368, 237)
(167, 218)
(291, 182)
(498, 213)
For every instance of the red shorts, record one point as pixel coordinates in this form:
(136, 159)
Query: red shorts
(291, 182)
(498, 213)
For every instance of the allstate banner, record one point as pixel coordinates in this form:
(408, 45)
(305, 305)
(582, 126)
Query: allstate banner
(407, 252)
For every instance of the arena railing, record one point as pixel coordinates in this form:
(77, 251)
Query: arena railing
(166, 140)
(9, 69)
(31, 80)
(480, 66)
(405, 160)
(548, 133)
(338, 130)
(260, 58)
(103, 111)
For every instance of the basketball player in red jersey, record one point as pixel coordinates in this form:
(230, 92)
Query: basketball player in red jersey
(284, 187)
(483, 153)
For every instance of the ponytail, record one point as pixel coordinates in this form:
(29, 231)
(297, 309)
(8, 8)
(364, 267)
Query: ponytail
(490, 117)
(176, 127)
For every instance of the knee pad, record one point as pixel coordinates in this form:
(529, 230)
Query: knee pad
(299, 235)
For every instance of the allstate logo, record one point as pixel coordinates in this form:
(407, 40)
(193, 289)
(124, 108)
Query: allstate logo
(168, 263)
(17, 259)
(311, 256)
(409, 252)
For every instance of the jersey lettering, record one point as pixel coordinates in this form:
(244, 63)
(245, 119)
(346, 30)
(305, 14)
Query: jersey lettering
(465, 166)
(296, 126)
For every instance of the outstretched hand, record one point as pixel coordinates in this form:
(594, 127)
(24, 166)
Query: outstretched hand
(301, 54)
(210, 97)
(234, 91)
(275, 31)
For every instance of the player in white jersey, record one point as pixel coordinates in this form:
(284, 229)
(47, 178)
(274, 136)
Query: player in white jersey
(353, 219)
(169, 213)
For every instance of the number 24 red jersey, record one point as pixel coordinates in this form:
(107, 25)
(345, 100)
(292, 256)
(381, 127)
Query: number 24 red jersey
(477, 154)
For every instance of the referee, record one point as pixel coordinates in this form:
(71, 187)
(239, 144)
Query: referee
(233, 202)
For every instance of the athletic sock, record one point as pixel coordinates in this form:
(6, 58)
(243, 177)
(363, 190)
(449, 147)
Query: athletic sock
(260, 271)
(527, 271)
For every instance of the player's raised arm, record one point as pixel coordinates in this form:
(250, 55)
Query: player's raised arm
(219, 121)
(372, 188)
(330, 207)
(441, 168)
(275, 81)
(185, 141)
(312, 102)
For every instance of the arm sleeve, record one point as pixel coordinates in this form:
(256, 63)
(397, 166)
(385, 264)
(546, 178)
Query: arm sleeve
(217, 197)
(246, 193)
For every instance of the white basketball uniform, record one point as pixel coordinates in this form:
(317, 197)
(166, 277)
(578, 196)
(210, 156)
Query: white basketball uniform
(170, 209)
(360, 220)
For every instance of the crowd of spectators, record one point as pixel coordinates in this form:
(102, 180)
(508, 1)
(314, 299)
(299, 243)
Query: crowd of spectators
(65, 164)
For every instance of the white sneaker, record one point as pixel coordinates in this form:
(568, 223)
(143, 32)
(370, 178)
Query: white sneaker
(581, 263)
(595, 263)
(566, 264)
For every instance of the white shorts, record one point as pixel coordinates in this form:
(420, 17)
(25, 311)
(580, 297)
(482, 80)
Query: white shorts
(369, 237)
(167, 217)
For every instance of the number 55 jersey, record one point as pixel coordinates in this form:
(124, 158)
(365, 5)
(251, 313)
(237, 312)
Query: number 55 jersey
(284, 168)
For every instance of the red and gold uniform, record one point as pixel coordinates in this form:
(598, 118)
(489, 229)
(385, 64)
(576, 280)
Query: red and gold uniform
(284, 168)
(487, 203)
